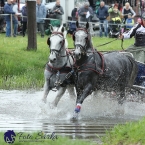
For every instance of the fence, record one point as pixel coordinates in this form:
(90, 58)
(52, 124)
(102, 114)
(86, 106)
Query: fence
(66, 22)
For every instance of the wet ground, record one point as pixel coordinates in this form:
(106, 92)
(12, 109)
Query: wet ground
(24, 111)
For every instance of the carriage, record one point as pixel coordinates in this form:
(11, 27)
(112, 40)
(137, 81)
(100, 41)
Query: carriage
(139, 83)
(140, 78)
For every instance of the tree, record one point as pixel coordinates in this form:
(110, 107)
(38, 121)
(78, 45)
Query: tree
(32, 37)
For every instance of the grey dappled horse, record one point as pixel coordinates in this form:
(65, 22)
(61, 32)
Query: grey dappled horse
(95, 71)
(58, 69)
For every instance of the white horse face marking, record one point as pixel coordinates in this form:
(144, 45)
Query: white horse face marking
(77, 53)
(80, 40)
(56, 44)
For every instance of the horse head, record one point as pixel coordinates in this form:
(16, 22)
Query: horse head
(57, 43)
(82, 40)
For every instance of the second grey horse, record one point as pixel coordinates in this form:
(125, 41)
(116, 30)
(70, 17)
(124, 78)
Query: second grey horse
(58, 70)
(95, 71)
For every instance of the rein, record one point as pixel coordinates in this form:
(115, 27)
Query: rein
(110, 42)
(122, 44)
(107, 42)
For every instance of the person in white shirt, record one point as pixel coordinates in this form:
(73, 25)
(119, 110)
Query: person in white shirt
(138, 31)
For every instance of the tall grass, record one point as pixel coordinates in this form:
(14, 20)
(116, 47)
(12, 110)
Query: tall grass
(132, 133)
(22, 69)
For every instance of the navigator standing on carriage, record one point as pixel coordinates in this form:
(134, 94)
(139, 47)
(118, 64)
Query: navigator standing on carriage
(138, 49)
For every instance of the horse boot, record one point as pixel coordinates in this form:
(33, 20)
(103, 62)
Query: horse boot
(76, 112)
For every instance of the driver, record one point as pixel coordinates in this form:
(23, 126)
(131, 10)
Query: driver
(138, 31)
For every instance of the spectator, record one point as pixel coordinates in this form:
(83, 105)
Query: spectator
(129, 22)
(72, 25)
(24, 19)
(126, 10)
(1, 19)
(102, 14)
(2, 3)
(85, 13)
(15, 21)
(74, 14)
(114, 12)
(139, 20)
(142, 6)
(40, 15)
(8, 10)
(57, 10)
(120, 7)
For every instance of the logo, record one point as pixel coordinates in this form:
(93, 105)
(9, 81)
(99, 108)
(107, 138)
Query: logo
(9, 137)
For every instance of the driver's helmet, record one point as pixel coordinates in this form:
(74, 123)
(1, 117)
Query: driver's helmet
(143, 16)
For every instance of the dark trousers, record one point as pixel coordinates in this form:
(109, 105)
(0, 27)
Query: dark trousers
(40, 26)
(24, 28)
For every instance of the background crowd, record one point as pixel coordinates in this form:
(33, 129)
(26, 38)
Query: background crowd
(109, 16)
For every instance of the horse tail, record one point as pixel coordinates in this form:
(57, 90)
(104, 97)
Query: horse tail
(134, 71)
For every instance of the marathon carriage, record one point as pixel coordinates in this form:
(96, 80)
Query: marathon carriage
(139, 84)
(140, 78)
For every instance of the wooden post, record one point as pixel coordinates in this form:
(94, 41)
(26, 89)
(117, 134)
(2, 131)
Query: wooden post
(31, 19)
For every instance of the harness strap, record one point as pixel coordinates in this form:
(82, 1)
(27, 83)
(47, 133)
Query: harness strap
(55, 70)
(55, 33)
(60, 33)
(102, 58)
(85, 68)
(82, 29)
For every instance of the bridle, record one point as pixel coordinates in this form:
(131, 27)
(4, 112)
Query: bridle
(83, 48)
(62, 44)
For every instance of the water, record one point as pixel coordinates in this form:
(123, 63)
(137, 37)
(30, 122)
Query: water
(24, 111)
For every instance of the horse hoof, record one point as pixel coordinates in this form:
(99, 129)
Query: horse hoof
(121, 100)
(52, 106)
(75, 117)
(44, 100)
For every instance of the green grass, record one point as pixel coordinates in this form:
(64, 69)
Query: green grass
(22, 69)
(132, 133)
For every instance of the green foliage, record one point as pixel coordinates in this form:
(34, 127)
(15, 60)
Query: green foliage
(22, 69)
(132, 133)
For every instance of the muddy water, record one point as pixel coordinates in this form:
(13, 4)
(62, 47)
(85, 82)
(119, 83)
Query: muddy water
(24, 111)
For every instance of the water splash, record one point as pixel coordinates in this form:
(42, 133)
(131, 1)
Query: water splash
(27, 105)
